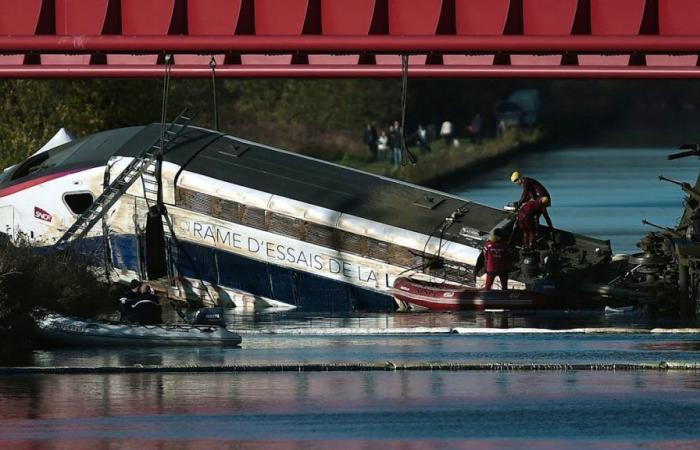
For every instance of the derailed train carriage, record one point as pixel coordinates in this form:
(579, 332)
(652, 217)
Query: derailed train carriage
(225, 220)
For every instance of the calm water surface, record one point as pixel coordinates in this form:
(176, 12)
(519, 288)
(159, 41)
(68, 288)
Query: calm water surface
(599, 192)
(530, 348)
(417, 409)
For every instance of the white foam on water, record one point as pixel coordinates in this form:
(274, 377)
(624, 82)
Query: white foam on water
(339, 331)
(675, 330)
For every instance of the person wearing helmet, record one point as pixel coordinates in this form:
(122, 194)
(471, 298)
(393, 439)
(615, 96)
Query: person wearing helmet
(497, 259)
(529, 219)
(532, 189)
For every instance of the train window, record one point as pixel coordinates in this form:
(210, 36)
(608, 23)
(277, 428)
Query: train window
(78, 202)
(31, 165)
(47, 159)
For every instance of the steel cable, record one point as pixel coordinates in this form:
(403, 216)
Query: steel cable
(405, 153)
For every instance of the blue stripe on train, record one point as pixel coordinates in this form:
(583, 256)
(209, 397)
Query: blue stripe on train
(304, 290)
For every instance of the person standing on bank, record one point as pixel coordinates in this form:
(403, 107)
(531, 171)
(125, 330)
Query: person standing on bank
(382, 146)
(532, 189)
(474, 129)
(370, 139)
(395, 140)
(497, 259)
(446, 132)
(422, 138)
(529, 219)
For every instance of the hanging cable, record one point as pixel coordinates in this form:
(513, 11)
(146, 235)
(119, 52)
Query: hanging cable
(212, 65)
(163, 118)
(405, 153)
(159, 162)
(164, 106)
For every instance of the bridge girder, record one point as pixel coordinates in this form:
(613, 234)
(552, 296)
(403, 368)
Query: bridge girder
(362, 38)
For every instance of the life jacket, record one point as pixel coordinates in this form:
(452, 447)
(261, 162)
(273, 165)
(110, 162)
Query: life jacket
(497, 257)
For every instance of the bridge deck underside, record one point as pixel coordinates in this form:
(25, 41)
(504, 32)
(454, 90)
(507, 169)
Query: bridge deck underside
(359, 38)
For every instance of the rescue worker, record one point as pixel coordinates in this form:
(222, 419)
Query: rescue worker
(147, 310)
(497, 259)
(140, 305)
(532, 189)
(130, 298)
(529, 219)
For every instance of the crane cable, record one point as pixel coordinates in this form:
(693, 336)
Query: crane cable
(161, 206)
(164, 106)
(405, 152)
(163, 118)
(212, 65)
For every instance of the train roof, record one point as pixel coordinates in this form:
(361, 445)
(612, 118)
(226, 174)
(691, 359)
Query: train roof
(338, 188)
(276, 172)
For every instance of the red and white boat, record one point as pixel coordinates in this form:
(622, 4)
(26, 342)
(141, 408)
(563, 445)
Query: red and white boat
(452, 297)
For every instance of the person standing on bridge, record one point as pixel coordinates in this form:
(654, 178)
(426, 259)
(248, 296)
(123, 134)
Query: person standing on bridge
(529, 219)
(532, 189)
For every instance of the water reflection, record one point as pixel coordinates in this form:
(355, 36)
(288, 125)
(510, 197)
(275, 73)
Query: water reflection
(466, 319)
(393, 406)
(681, 346)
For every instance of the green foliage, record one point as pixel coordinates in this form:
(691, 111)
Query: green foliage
(60, 281)
(325, 104)
(33, 110)
(326, 118)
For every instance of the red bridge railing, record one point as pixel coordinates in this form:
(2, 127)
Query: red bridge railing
(358, 38)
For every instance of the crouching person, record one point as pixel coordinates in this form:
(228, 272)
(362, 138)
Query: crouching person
(140, 305)
(497, 259)
(529, 219)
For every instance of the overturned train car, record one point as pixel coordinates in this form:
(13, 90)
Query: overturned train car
(254, 226)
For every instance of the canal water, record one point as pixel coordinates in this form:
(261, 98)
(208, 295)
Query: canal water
(600, 192)
(551, 410)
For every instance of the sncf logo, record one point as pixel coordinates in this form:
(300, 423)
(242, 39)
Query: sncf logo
(42, 215)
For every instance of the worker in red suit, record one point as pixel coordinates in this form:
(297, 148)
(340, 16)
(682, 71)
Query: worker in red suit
(529, 219)
(532, 189)
(497, 259)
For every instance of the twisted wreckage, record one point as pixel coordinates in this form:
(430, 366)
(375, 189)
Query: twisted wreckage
(207, 216)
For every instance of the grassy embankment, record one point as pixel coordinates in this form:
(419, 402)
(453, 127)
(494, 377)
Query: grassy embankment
(447, 163)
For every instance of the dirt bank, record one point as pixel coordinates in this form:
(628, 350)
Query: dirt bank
(446, 164)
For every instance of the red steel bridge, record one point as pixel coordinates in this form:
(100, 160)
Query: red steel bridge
(351, 38)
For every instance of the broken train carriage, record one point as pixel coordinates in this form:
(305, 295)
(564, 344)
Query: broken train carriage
(225, 220)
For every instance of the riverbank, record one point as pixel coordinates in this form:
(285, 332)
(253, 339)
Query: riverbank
(447, 164)
(61, 281)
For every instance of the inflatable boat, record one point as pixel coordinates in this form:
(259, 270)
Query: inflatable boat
(453, 297)
(61, 330)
